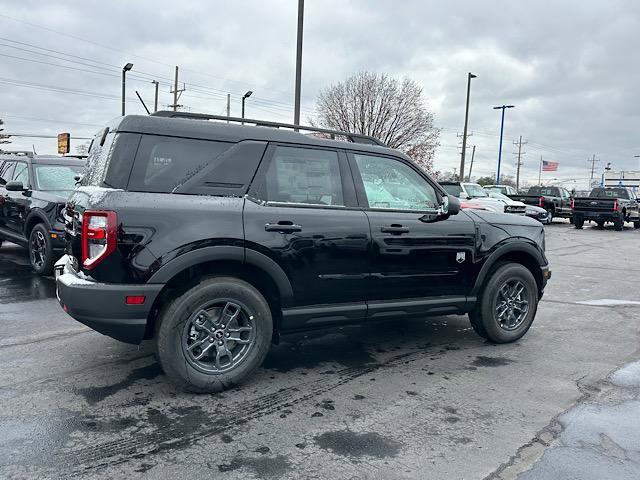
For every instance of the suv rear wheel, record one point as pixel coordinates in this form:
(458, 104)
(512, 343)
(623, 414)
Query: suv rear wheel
(40, 251)
(618, 224)
(214, 335)
(507, 306)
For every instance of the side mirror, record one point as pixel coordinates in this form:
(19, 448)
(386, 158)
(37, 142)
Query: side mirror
(15, 186)
(454, 205)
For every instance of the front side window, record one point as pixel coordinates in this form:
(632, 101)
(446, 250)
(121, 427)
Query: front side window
(21, 173)
(391, 184)
(304, 175)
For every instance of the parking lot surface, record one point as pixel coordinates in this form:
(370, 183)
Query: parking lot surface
(424, 398)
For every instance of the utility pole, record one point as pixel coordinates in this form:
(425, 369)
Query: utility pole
(473, 154)
(519, 143)
(466, 123)
(593, 161)
(228, 105)
(176, 92)
(296, 108)
(502, 107)
(155, 98)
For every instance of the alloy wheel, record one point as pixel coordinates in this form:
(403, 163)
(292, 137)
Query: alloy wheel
(511, 306)
(218, 336)
(38, 249)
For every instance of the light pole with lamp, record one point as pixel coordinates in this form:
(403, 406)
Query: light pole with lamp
(244, 97)
(125, 69)
(503, 108)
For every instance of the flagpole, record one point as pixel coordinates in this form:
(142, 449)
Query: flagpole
(540, 172)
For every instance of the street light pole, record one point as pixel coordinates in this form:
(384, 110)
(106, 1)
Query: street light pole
(503, 108)
(296, 108)
(155, 98)
(125, 69)
(244, 97)
(466, 123)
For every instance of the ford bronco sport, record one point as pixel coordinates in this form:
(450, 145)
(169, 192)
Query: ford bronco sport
(214, 238)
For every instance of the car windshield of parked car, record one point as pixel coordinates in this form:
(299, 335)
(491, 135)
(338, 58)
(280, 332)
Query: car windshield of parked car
(502, 190)
(499, 196)
(452, 189)
(56, 177)
(474, 190)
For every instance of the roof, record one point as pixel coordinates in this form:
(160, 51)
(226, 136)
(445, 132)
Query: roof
(230, 132)
(43, 159)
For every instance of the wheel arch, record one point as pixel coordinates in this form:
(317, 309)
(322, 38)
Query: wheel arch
(521, 253)
(255, 268)
(34, 218)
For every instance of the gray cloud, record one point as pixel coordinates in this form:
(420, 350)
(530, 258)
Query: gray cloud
(571, 68)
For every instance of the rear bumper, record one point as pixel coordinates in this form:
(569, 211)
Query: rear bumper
(604, 216)
(102, 306)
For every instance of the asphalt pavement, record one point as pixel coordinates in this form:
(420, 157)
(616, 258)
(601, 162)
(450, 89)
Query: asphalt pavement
(416, 399)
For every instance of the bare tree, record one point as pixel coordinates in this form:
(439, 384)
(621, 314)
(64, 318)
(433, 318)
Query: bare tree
(3, 137)
(392, 111)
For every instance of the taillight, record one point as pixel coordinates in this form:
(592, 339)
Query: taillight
(615, 205)
(541, 202)
(573, 204)
(99, 229)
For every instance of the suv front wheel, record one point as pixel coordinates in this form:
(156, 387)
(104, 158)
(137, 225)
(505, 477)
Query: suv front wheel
(507, 305)
(214, 335)
(40, 251)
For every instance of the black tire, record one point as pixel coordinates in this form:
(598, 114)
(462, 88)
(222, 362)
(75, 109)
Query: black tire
(578, 222)
(40, 250)
(176, 327)
(484, 318)
(600, 223)
(618, 224)
(636, 224)
(1, 240)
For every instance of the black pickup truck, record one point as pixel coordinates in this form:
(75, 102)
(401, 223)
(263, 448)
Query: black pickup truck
(616, 205)
(555, 200)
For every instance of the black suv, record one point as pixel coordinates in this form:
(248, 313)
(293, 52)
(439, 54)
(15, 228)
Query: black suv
(33, 192)
(214, 238)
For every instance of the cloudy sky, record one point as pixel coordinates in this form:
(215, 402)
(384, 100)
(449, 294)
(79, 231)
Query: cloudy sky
(571, 68)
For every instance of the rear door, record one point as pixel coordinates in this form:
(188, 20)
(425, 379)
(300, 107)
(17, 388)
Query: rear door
(302, 212)
(410, 258)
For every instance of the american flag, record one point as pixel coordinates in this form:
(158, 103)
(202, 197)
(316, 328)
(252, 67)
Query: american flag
(549, 166)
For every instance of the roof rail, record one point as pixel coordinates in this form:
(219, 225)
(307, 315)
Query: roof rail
(22, 153)
(352, 137)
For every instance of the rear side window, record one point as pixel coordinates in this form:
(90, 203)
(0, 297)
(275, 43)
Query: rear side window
(304, 175)
(164, 163)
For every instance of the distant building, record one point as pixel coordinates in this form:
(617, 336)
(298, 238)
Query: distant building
(622, 179)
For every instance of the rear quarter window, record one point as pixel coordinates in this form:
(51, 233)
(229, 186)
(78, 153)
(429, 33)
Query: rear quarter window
(181, 165)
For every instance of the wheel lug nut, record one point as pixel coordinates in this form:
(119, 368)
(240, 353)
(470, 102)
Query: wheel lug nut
(228, 335)
(220, 342)
(222, 326)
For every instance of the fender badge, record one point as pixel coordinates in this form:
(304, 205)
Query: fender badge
(460, 257)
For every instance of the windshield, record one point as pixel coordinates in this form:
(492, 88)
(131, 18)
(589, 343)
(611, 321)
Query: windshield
(56, 177)
(454, 190)
(499, 196)
(550, 191)
(474, 190)
(497, 189)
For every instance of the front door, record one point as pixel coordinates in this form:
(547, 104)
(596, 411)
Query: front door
(302, 212)
(411, 257)
(17, 203)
